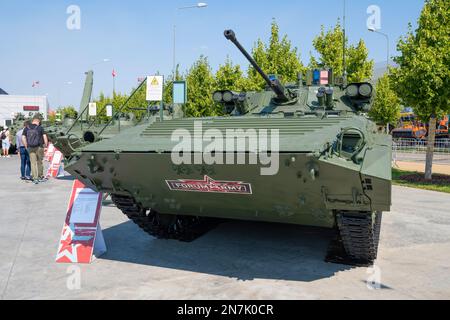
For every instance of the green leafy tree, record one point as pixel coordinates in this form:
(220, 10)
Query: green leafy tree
(68, 112)
(118, 101)
(330, 47)
(137, 105)
(230, 77)
(386, 108)
(423, 78)
(201, 85)
(359, 67)
(102, 101)
(51, 117)
(278, 57)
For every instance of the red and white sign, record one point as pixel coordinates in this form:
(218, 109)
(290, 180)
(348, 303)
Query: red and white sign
(56, 167)
(31, 108)
(50, 153)
(82, 237)
(209, 185)
(324, 77)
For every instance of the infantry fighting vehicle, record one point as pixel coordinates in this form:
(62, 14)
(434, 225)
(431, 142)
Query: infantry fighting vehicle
(72, 134)
(303, 154)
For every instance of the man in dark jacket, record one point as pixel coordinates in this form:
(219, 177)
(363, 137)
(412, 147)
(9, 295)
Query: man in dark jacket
(35, 140)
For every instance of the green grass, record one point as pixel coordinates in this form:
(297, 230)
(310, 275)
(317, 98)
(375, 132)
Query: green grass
(396, 178)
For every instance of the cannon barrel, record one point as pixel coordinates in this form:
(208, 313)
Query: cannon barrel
(275, 85)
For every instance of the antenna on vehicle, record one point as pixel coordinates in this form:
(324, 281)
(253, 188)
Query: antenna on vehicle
(344, 45)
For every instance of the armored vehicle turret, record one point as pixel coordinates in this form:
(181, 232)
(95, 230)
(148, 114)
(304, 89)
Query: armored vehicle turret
(302, 153)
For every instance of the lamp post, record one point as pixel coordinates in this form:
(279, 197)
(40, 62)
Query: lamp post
(344, 44)
(372, 29)
(199, 5)
(101, 62)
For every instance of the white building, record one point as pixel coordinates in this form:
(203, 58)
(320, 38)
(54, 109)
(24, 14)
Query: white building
(10, 105)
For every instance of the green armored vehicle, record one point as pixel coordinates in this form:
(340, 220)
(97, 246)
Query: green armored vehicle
(72, 134)
(301, 154)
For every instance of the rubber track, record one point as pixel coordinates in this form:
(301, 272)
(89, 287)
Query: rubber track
(360, 235)
(173, 227)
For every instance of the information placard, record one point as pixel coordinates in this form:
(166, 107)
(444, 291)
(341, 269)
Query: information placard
(179, 92)
(50, 153)
(92, 109)
(155, 88)
(56, 168)
(109, 110)
(82, 237)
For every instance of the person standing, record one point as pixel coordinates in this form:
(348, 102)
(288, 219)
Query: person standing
(25, 165)
(35, 140)
(6, 142)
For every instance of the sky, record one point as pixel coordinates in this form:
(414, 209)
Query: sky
(136, 36)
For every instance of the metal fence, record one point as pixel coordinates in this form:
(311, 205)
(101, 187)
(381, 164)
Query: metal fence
(420, 146)
(411, 150)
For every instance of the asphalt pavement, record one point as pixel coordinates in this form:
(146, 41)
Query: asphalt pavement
(237, 260)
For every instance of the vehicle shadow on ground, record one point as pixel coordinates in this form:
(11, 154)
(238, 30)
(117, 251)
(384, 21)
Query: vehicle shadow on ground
(235, 249)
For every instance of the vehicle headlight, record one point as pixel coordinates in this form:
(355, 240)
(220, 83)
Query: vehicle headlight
(365, 90)
(228, 96)
(218, 96)
(352, 90)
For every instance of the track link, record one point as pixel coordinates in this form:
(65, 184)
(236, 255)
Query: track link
(161, 226)
(360, 235)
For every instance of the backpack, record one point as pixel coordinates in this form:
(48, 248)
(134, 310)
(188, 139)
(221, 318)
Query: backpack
(33, 137)
(3, 136)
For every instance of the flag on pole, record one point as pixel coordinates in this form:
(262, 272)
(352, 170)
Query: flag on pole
(35, 84)
(114, 75)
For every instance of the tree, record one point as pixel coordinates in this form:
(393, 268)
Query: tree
(102, 101)
(359, 67)
(138, 102)
(386, 108)
(330, 47)
(278, 57)
(230, 77)
(52, 117)
(423, 77)
(118, 101)
(68, 112)
(201, 85)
